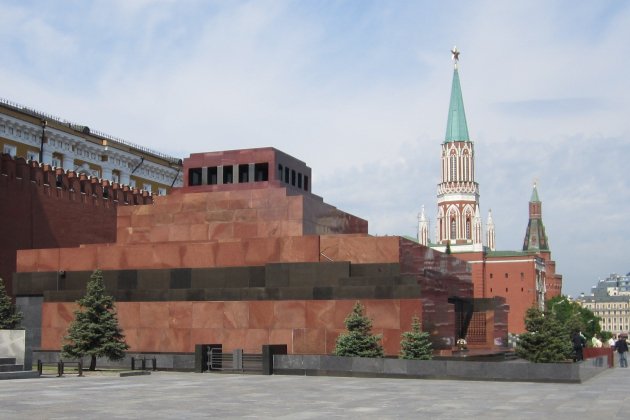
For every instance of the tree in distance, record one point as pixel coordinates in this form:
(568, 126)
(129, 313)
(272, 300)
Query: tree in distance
(359, 341)
(574, 316)
(95, 331)
(10, 317)
(546, 339)
(416, 344)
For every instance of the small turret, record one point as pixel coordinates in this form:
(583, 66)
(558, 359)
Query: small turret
(535, 237)
(490, 232)
(423, 228)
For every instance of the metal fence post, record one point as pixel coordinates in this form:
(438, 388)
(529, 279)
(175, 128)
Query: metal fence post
(237, 359)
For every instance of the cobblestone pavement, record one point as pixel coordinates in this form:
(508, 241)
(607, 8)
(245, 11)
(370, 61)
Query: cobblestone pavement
(172, 395)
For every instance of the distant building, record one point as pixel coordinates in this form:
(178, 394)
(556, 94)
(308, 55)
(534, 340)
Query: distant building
(610, 301)
(524, 278)
(38, 136)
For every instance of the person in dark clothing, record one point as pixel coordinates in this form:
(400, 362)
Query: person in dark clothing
(622, 348)
(578, 344)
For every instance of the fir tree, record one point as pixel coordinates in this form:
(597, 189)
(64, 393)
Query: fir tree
(10, 317)
(359, 340)
(415, 343)
(546, 339)
(95, 331)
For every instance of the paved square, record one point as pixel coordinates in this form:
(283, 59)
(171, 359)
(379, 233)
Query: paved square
(176, 395)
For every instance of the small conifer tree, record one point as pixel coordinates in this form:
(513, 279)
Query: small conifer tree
(10, 317)
(416, 343)
(95, 331)
(359, 340)
(546, 339)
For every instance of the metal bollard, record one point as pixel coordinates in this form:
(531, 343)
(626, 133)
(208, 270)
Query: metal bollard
(40, 367)
(60, 368)
(80, 367)
(144, 363)
(154, 364)
(133, 363)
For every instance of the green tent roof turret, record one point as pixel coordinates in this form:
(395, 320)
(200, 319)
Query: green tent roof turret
(534, 198)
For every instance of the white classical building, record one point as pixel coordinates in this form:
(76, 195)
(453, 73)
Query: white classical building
(610, 300)
(41, 137)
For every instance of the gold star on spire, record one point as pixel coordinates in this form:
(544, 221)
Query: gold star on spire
(455, 54)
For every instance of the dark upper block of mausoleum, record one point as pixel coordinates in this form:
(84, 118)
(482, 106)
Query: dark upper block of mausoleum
(245, 169)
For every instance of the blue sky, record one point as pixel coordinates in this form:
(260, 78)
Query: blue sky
(359, 90)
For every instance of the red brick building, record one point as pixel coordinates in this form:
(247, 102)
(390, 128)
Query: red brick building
(524, 278)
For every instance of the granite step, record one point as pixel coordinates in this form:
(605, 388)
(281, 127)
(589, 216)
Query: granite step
(7, 360)
(11, 368)
(25, 374)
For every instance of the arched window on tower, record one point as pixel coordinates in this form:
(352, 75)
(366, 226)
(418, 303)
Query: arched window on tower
(453, 166)
(453, 228)
(468, 227)
(466, 166)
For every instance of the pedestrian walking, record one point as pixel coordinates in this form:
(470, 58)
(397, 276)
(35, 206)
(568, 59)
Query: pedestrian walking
(579, 342)
(621, 346)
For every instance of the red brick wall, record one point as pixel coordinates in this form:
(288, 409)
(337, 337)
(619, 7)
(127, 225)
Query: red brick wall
(37, 214)
(519, 292)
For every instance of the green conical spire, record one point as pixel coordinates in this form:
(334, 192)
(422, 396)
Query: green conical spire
(534, 198)
(456, 128)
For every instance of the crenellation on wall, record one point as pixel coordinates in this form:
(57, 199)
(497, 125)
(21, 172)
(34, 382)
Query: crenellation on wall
(20, 170)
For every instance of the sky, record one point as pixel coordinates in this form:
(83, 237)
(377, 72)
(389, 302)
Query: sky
(359, 90)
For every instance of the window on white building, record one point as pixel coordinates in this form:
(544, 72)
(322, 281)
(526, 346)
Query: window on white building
(162, 191)
(9, 149)
(32, 155)
(147, 187)
(57, 161)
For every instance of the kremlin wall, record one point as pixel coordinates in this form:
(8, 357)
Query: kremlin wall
(46, 207)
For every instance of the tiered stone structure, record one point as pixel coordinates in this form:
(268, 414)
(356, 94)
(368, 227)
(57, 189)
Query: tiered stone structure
(45, 207)
(249, 260)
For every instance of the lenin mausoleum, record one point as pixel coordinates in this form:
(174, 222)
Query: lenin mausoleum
(243, 254)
